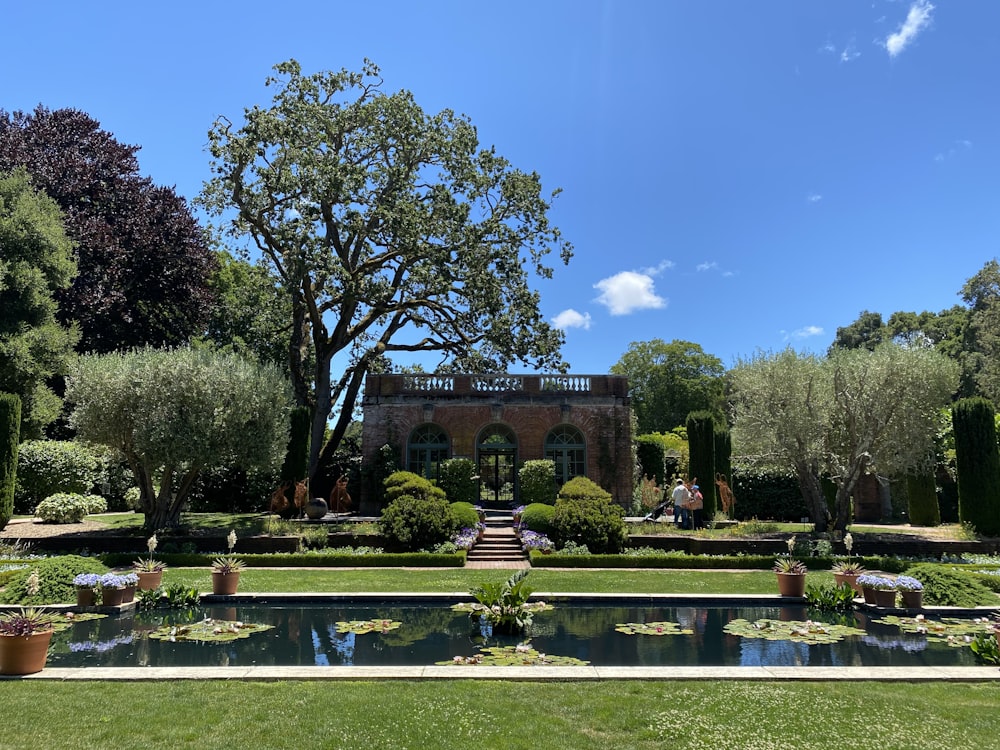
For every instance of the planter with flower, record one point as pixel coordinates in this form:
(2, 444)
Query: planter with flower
(226, 574)
(533, 540)
(848, 572)
(25, 635)
(791, 575)
(878, 590)
(226, 569)
(911, 591)
(148, 569)
(131, 581)
(88, 588)
(112, 589)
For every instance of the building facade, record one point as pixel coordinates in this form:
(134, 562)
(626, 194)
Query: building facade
(581, 422)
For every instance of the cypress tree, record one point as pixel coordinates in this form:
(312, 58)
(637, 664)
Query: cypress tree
(922, 502)
(978, 465)
(10, 432)
(701, 463)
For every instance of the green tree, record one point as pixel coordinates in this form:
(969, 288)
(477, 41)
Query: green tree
(701, 443)
(841, 416)
(977, 462)
(867, 332)
(143, 263)
(389, 229)
(10, 429)
(982, 294)
(251, 312)
(36, 261)
(668, 381)
(173, 412)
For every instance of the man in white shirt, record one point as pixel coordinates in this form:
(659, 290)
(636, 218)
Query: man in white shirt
(680, 496)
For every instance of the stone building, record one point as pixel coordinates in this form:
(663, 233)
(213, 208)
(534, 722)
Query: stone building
(582, 422)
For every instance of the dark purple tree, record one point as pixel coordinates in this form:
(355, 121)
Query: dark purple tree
(144, 265)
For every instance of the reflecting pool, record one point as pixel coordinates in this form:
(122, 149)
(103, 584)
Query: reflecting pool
(429, 633)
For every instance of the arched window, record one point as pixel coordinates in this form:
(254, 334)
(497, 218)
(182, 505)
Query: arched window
(427, 448)
(565, 446)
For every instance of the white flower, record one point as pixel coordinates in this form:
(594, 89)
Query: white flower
(848, 541)
(231, 539)
(151, 544)
(791, 545)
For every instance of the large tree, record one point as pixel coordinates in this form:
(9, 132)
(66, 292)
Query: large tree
(668, 381)
(855, 411)
(143, 260)
(389, 228)
(173, 412)
(982, 294)
(36, 261)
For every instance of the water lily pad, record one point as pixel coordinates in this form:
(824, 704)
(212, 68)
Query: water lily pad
(951, 630)
(360, 627)
(522, 655)
(652, 628)
(808, 631)
(208, 630)
(64, 620)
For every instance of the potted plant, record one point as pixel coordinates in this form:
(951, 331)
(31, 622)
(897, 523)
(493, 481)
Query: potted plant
(112, 589)
(911, 591)
(791, 576)
(226, 574)
(87, 587)
(131, 581)
(226, 569)
(25, 635)
(149, 570)
(878, 590)
(847, 571)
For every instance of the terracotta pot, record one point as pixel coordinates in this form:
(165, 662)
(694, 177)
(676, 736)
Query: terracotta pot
(85, 597)
(150, 580)
(225, 583)
(112, 597)
(20, 654)
(128, 594)
(912, 599)
(791, 584)
(885, 598)
(869, 594)
(851, 579)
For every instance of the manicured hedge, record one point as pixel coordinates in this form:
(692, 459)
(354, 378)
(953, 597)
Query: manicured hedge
(321, 560)
(774, 496)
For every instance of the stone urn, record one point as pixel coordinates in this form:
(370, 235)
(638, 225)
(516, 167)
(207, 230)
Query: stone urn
(316, 509)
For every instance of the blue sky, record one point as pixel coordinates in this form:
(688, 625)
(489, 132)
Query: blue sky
(743, 175)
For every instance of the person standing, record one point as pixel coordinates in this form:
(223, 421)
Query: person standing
(696, 505)
(681, 497)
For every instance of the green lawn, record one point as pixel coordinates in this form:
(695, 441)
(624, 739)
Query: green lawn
(509, 715)
(261, 580)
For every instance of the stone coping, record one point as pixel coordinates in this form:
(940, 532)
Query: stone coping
(531, 674)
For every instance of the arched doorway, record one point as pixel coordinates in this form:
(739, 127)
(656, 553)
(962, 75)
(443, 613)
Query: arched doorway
(426, 449)
(496, 451)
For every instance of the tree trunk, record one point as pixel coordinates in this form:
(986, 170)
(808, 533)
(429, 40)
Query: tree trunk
(812, 493)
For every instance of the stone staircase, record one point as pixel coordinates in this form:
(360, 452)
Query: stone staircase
(500, 547)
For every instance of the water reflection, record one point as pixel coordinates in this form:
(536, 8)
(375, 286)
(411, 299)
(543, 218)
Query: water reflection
(307, 636)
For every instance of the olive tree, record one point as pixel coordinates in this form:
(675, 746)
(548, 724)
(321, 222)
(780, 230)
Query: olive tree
(855, 411)
(173, 412)
(390, 230)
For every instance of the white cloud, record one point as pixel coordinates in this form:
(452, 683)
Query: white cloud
(961, 144)
(707, 266)
(918, 17)
(571, 319)
(849, 53)
(803, 333)
(629, 291)
(663, 265)
(814, 197)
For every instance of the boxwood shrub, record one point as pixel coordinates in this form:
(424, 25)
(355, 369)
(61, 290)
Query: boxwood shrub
(538, 517)
(55, 580)
(68, 507)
